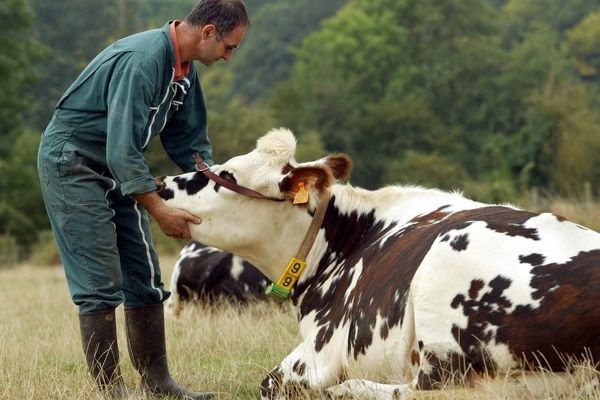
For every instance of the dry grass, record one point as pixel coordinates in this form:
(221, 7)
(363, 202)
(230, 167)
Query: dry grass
(583, 212)
(222, 350)
(587, 214)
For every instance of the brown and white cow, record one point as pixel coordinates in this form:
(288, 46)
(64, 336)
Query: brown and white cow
(204, 274)
(402, 283)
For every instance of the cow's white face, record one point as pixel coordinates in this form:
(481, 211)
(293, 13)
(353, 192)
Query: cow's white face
(240, 224)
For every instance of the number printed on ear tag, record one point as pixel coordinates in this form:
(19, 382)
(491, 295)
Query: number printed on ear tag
(302, 196)
(291, 274)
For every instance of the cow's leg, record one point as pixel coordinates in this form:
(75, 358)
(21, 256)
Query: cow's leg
(442, 369)
(303, 369)
(408, 360)
(364, 389)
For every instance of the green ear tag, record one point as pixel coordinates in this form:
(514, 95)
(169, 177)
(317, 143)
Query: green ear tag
(277, 292)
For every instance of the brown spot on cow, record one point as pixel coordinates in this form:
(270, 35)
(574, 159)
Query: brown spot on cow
(384, 331)
(432, 217)
(415, 359)
(476, 286)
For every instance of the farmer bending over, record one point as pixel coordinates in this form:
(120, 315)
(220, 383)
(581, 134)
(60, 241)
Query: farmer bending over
(98, 189)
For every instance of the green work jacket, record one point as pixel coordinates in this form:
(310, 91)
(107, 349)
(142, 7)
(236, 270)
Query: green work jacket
(124, 98)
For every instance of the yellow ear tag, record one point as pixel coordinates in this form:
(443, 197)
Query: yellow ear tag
(302, 196)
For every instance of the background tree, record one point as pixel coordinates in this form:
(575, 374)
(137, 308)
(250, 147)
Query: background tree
(386, 76)
(18, 52)
(266, 57)
(75, 31)
(22, 214)
(583, 42)
(494, 97)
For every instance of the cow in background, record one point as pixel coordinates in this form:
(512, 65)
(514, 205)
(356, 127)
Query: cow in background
(402, 285)
(204, 274)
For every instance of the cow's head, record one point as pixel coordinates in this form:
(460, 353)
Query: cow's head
(248, 226)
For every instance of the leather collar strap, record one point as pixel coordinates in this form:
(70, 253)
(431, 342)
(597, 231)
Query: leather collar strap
(205, 169)
(281, 290)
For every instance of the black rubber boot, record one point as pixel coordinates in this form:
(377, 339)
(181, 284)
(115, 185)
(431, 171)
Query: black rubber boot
(147, 350)
(99, 339)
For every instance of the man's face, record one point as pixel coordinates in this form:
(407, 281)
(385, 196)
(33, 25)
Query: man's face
(216, 46)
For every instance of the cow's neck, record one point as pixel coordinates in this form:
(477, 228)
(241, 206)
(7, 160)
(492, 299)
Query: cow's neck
(350, 224)
(278, 240)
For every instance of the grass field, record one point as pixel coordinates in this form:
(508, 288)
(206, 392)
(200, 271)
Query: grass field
(221, 349)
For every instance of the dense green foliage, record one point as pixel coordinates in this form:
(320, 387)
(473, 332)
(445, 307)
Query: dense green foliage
(453, 93)
(493, 97)
(18, 49)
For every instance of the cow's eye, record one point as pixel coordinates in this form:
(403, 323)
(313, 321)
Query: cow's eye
(228, 176)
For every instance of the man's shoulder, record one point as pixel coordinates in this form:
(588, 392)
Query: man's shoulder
(147, 42)
(146, 50)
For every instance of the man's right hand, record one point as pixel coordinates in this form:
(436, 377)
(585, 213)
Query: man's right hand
(172, 221)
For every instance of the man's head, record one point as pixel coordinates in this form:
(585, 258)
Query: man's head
(221, 26)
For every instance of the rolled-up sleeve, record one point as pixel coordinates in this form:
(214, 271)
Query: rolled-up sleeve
(129, 100)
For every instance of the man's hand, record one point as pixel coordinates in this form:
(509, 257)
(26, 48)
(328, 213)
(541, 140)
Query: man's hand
(172, 221)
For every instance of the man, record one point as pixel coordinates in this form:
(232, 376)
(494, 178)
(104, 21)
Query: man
(98, 189)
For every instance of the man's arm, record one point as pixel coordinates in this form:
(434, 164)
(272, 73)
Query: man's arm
(172, 221)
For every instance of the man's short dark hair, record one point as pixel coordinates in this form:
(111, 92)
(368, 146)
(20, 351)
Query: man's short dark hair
(225, 14)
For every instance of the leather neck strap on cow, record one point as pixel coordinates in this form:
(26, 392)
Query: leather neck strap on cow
(205, 169)
(281, 290)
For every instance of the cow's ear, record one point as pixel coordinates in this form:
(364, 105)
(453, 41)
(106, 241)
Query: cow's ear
(340, 164)
(309, 178)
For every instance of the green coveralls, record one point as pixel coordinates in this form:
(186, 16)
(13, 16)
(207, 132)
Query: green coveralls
(90, 162)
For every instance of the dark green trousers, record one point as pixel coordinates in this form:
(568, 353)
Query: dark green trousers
(103, 237)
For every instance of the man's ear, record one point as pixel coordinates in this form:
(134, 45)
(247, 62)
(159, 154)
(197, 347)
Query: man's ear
(208, 31)
(312, 179)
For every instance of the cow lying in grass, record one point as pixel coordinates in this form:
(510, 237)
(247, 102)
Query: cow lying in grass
(401, 284)
(204, 274)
